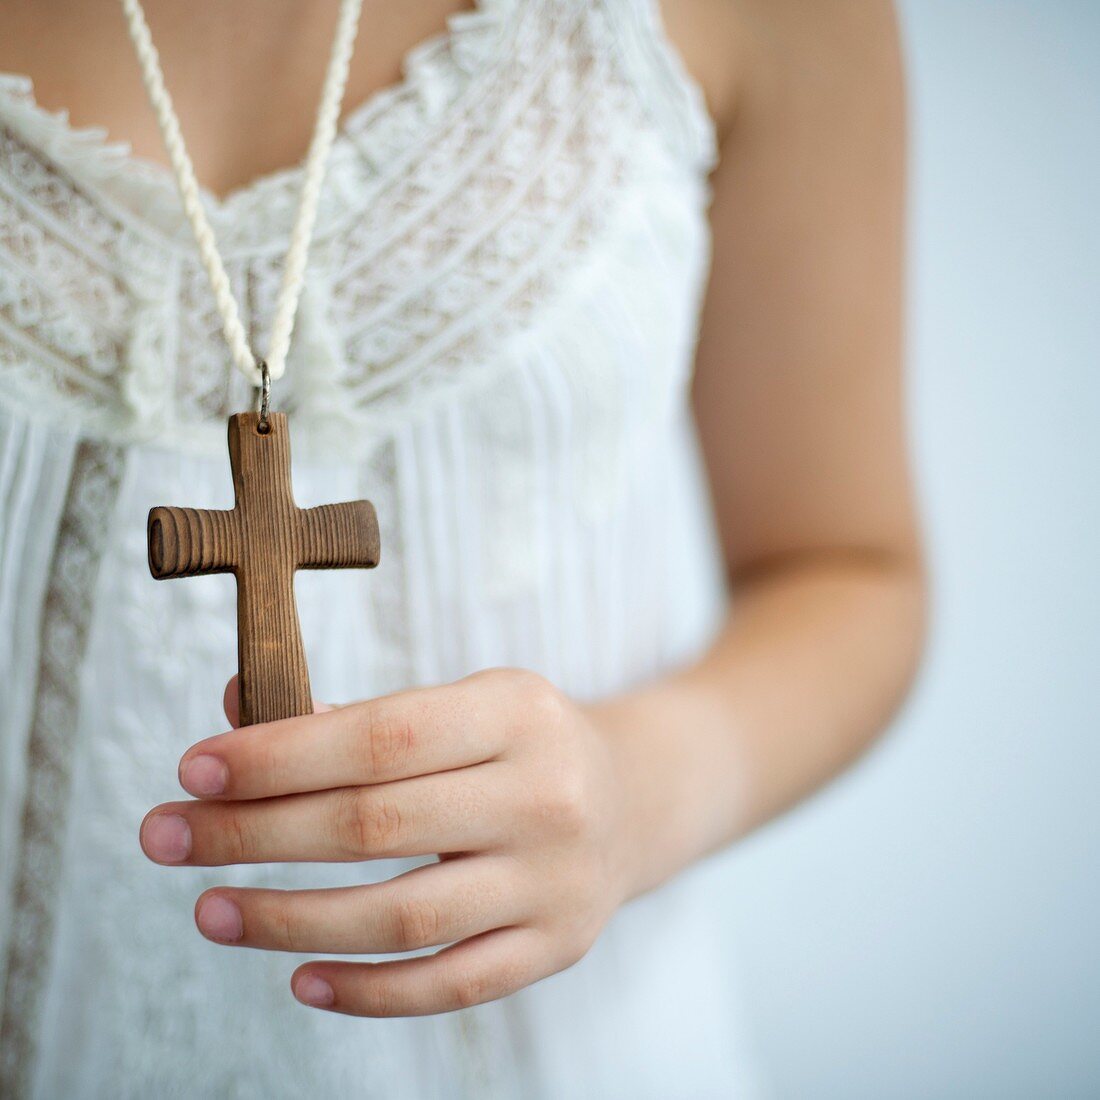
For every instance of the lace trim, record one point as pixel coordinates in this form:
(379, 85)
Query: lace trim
(680, 110)
(455, 225)
(81, 539)
(374, 137)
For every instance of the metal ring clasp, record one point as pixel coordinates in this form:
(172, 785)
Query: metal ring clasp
(263, 398)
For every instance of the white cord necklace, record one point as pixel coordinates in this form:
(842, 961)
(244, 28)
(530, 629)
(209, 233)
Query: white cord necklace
(332, 95)
(265, 537)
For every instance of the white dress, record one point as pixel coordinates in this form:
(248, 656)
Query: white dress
(495, 346)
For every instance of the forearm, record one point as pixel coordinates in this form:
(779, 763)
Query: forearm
(813, 660)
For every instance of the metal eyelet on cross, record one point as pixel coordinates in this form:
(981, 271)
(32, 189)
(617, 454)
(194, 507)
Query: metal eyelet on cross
(263, 398)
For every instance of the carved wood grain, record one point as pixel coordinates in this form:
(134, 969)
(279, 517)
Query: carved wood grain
(262, 540)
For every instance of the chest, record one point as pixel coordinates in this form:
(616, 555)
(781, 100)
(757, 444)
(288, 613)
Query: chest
(244, 77)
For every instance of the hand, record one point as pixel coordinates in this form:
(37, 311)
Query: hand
(503, 777)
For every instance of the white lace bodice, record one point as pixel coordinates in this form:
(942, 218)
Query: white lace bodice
(457, 205)
(495, 345)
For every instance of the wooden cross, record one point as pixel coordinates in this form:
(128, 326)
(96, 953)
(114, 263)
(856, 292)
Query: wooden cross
(262, 540)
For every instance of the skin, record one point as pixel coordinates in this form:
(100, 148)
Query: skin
(549, 815)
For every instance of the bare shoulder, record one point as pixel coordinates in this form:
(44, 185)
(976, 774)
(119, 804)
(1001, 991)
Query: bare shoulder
(704, 33)
(743, 49)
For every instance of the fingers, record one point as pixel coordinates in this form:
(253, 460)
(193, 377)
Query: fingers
(438, 904)
(452, 811)
(393, 737)
(231, 703)
(471, 972)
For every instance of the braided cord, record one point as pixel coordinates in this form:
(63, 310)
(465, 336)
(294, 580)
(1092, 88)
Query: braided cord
(324, 134)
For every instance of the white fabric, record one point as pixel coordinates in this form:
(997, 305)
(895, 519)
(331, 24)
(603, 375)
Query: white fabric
(495, 346)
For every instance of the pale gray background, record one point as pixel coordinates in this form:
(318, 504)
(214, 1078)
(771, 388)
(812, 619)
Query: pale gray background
(929, 927)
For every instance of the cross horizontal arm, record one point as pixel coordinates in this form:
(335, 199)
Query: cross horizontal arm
(338, 536)
(187, 542)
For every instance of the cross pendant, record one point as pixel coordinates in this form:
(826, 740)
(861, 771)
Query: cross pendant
(263, 540)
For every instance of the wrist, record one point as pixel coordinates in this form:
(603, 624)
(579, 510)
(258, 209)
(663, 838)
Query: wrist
(670, 744)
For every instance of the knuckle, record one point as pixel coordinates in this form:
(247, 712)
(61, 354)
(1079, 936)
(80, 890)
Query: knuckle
(378, 999)
(417, 923)
(525, 688)
(390, 739)
(383, 823)
(349, 826)
(475, 987)
(543, 702)
(470, 988)
(365, 823)
(286, 928)
(242, 840)
(533, 705)
(486, 676)
(584, 929)
(271, 764)
(564, 806)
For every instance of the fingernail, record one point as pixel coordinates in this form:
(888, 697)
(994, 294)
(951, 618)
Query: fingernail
(204, 776)
(166, 838)
(220, 919)
(314, 991)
